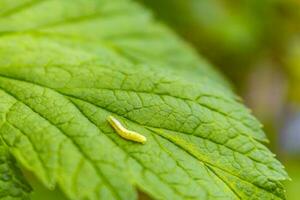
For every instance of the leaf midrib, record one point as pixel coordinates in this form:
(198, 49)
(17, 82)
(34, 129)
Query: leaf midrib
(180, 98)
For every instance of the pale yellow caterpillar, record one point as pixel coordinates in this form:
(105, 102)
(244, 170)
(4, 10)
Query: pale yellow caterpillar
(125, 133)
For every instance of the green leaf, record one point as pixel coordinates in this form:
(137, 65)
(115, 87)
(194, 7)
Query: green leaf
(12, 184)
(66, 66)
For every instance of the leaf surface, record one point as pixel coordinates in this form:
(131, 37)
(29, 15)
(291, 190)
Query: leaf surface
(12, 184)
(67, 65)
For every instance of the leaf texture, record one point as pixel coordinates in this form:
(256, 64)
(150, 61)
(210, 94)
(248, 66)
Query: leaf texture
(66, 65)
(12, 184)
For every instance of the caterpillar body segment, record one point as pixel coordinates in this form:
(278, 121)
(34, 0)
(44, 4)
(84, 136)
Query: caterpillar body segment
(125, 133)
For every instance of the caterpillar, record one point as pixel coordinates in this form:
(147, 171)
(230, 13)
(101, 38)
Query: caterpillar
(125, 133)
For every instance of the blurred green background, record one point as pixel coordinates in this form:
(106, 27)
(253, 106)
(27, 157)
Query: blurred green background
(256, 44)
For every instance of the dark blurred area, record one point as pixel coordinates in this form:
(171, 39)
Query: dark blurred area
(256, 44)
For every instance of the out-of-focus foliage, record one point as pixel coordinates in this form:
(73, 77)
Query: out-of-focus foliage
(232, 34)
(293, 67)
(41, 192)
(294, 185)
